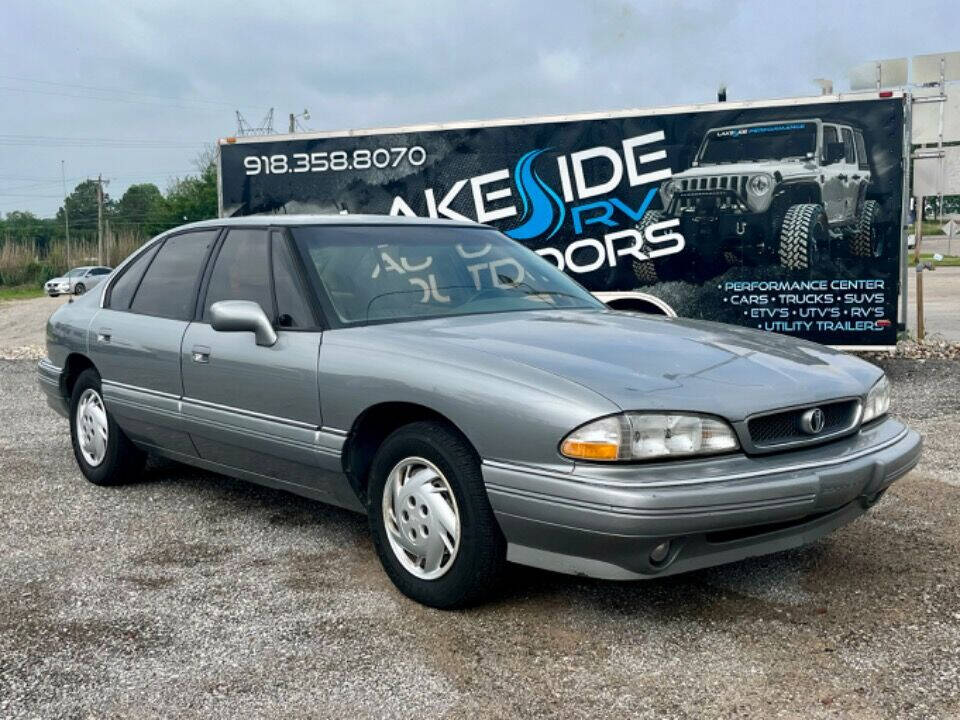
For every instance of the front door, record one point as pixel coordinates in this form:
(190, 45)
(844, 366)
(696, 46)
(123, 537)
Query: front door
(250, 409)
(833, 183)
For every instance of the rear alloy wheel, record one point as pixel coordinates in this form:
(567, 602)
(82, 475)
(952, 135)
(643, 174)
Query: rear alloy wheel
(80, 289)
(432, 524)
(802, 234)
(105, 455)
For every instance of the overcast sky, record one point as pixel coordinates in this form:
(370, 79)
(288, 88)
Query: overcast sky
(133, 89)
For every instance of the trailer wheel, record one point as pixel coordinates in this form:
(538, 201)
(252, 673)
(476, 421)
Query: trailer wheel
(646, 270)
(803, 232)
(866, 240)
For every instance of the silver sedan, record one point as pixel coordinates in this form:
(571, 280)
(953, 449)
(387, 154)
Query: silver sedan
(476, 403)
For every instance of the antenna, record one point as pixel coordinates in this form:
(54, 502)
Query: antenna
(264, 128)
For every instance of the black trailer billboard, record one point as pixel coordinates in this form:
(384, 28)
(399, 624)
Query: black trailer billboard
(784, 216)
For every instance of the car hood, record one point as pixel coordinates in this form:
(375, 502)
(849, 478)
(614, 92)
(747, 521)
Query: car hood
(648, 362)
(58, 280)
(786, 168)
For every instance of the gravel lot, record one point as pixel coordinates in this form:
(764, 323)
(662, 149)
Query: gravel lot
(191, 594)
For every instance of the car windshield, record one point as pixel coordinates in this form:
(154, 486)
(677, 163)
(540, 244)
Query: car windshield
(76, 272)
(388, 272)
(779, 141)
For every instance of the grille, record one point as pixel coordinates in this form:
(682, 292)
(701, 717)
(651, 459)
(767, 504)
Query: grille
(716, 182)
(784, 427)
(723, 184)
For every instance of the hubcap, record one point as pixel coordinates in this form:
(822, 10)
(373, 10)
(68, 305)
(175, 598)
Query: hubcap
(91, 427)
(421, 518)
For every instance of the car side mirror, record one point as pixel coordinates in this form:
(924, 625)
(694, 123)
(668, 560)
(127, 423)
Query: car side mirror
(243, 316)
(835, 152)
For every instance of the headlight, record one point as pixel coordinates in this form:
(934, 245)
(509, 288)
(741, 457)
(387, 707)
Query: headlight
(878, 400)
(644, 436)
(759, 193)
(760, 184)
(668, 190)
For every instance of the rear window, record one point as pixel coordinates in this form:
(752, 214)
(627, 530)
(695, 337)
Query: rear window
(863, 162)
(121, 293)
(168, 288)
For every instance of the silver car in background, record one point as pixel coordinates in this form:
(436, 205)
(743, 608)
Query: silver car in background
(77, 281)
(475, 402)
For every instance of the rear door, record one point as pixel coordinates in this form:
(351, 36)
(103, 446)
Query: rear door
(255, 410)
(135, 339)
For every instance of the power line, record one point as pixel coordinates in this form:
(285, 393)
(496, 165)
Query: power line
(108, 99)
(121, 92)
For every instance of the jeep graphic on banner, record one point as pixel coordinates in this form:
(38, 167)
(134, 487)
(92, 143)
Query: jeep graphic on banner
(784, 216)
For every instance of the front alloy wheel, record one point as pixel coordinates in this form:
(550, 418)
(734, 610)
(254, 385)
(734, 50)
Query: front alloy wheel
(421, 518)
(432, 525)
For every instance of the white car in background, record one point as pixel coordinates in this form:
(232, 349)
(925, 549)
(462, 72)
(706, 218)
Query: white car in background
(77, 281)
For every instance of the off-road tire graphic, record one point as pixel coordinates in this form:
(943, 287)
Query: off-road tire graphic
(864, 240)
(646, 270)
(803, 227)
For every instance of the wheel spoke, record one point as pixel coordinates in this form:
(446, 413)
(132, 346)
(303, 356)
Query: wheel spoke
(443, 514)
(434, 554)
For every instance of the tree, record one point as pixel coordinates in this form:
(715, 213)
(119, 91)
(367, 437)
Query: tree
(192, 198)
(82, 205)
(138, 206)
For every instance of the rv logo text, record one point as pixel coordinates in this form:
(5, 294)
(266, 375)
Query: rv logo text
(602, 223)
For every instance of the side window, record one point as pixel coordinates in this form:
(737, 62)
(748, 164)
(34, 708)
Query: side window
(121, 292)
(864, 163)
(168, 288)
(293, 310)
(829, 136)
(848, 148)
(241, 271)
(100, 271)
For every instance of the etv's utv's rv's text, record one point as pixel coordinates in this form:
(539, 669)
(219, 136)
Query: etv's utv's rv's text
(783, 215)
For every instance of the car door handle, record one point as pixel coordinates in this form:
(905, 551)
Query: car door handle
(104, 335)
(200, 354)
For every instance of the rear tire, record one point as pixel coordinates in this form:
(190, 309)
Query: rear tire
(803, 232)
(105, 455)
(479, 549)
(646, 270)
(866, 239)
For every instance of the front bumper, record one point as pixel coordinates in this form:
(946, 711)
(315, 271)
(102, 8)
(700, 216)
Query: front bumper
(604, 521)
(49, 379)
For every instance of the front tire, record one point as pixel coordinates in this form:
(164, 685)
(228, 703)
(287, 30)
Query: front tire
(80, 289)
(646, 270)
(105, 455)
(802, 233)
(432, 524)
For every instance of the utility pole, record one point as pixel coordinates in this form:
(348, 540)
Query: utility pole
(918, 234)
(99, 219)
(66, 211)
(293, 123)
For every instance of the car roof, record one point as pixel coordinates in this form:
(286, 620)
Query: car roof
(345, 220)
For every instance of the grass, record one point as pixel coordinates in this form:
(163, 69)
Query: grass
(20, 292)
(930, 227)
(948, 260)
